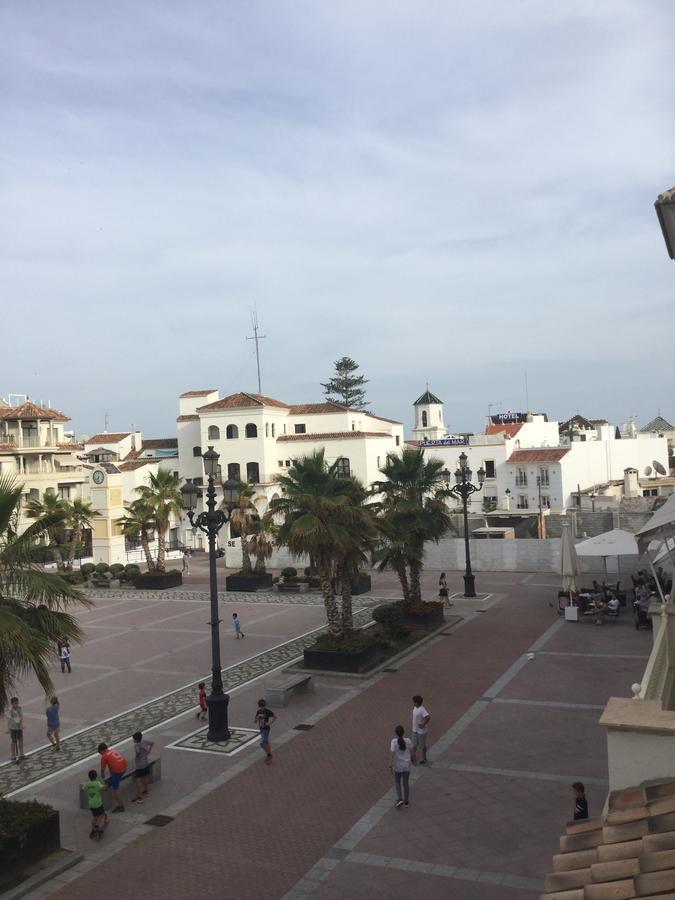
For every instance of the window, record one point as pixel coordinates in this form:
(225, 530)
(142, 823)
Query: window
(231, 432)
(545, 501)
(198, 481)
(398, 440)
(650, 492)
(521, 478)
(342, 468)
(489, 468)
(288, 463)
(219, 473)
(281, 463)
(300, 429)
(424, 420)
(251, 430)
(440, 416)
(64, 491)
(253, 472)
(233, 472)
(214, 433)
(543, 477)
(378, 462)
(522, 502)
(272, 429)
(267, 429)
(196, 451)
(284, 429)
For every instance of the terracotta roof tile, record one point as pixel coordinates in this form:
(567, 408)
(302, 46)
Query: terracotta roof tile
(186, 394)
(113, 437)
(30, 410)
(303, 409)
(160, 444)
(243, 400)
(541, 454)
(511, 430)
(192, 418)
(10, 447)
(70, 445)
(333, 436)
(131, 464)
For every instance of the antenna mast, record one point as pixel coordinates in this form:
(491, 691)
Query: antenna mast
(256, 337)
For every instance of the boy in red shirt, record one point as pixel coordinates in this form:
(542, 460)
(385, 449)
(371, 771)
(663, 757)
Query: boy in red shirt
(117, 765)
(202, 701)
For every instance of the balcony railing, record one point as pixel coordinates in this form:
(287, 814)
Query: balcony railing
(521, 480)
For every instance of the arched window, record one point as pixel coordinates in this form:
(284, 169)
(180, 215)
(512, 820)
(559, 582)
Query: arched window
(272, 429)
(253, 472)
(342, 468)
(440, 416)
(267, 429)
(196, 451)
(214, 433)
(231, 432)
(233, 472)
(424, 420)
(251, 430)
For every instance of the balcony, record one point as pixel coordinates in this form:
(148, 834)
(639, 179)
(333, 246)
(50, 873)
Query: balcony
(521, 480)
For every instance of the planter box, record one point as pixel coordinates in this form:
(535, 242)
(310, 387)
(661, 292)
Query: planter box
(21, 851)
(293, 587)
(337, 661)
(157, 581)
(427, 621)
(248, 583)
(361, 584)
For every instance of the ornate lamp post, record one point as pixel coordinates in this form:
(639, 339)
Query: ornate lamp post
(462, 490)
(210, 522)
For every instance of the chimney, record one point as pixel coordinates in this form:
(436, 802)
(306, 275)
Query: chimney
(631, 488)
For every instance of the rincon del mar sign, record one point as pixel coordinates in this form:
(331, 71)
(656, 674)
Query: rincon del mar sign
(445, 442)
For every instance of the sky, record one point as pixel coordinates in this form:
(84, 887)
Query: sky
(452, 193)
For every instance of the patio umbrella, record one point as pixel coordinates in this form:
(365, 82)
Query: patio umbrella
(616, 542)
(569, 564)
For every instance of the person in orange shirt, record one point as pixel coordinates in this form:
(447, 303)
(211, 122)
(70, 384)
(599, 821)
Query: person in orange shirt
(117, 765)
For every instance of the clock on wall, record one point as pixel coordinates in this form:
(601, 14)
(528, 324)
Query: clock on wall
(98, 477)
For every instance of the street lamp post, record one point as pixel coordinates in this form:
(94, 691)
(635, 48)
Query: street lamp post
(210, 522)
(463, 489)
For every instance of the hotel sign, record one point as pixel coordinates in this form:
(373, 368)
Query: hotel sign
(508, 418)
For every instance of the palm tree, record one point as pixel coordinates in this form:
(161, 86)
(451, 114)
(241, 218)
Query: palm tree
(412, 511)
(162, 496)
(242, 518)
(52, 508)
(139, 522)
(261, 542)
(34, 604)
(323, 518)
(79, 514)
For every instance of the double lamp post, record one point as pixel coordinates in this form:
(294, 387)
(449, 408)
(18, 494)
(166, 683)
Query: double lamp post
(210, 522)
(462, 490)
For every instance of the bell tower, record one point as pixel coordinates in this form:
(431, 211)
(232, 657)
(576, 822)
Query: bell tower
(428, 418)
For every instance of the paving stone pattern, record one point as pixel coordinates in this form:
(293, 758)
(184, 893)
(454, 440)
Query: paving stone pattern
(46, 761)
(304, 599)
(239, 737)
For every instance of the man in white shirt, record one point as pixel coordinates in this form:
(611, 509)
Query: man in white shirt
(420, 720)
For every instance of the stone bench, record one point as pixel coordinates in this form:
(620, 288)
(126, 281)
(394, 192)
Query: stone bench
(155, 775)
(278, 692)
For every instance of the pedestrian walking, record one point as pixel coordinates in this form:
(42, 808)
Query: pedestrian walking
(117, 766)
(15, 729)
(202, 701)
(237, 626)
(420, 721)
(53, 723)
(94, 788)
(142, 750)
(64, 655)
(264, 718)
(443, 589)
(580, 809)
(402, 757)
(186, 561)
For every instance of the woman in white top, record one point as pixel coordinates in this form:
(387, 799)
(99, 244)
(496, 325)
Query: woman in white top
(402, 757)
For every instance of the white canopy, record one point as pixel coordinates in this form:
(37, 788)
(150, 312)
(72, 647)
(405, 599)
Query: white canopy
(661, 525)
(569, 564)
(616, 542)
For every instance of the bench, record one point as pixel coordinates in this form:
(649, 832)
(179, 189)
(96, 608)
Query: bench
(155, 775)
(278, 692)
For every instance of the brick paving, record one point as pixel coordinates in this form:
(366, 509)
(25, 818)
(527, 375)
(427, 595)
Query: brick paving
(482, 834)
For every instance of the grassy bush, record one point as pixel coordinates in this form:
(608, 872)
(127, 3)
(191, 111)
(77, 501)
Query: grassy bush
(87, 569)
(101, 568)
(17, 817)
(419, 609)
(355, 644)
(289, 572)
(390, 617)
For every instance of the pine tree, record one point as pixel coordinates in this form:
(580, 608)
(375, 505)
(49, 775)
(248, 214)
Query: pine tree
(345, 387)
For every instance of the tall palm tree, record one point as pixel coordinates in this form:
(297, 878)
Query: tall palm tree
(53, 508)
(79, 514)
(242, 518)
(322, 519)
(412, 511)
(34, 604)
(139, 522)
(261, 542)
(162, 495)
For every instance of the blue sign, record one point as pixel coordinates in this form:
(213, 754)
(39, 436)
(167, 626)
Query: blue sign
(446, 442)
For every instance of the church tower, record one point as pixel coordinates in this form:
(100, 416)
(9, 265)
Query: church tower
(428, 418)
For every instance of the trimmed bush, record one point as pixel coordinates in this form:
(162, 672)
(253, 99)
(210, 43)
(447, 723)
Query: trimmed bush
(17, 817)
(311, 572)
(87, 569)
(116, 570)
(289, 572)
(131, 571)
(101, 568)
(390, 617)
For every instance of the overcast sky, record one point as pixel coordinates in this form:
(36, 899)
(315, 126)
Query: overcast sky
(449, 192)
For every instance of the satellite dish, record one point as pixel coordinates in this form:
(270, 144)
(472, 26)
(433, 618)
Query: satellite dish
(648, 471)
(658, 467)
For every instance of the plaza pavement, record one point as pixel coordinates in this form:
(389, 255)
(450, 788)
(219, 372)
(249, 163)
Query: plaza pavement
(509, 736)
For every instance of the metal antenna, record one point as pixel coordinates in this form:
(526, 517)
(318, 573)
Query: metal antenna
(256, 337)
(527, 394)
(105, 421)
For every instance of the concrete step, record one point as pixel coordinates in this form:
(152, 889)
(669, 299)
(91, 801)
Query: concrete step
(665, 822)
(565, 881)
(634, 814)
(656, 791)
(655, 842)
(583, 825)
(626, 799)
(662, 805)
(570, 843)
(612, 834)
(616, 870)
(654, 862)
(614, 890)
(622, 850)
(655, 882)
(563, 862)
(576, 894)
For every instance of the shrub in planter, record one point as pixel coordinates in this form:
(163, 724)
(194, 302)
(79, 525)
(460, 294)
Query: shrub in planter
(28, 831)
(311, 572)
(353, 655)
(252, 582)
(390, 617)
(73, 577)
(87, 569)
(422, 615)
(157, 581)
(116, 570)
(102, 568)
(289, 572)
(131, 571)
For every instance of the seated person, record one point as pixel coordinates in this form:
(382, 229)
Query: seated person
(613, 605)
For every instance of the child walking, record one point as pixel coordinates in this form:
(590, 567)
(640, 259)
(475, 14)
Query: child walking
(264, 718)
(402, 757)
(142, 749)
(94, 791)
(202, 701)
(53, 723)
(237, 626)
(15, 729)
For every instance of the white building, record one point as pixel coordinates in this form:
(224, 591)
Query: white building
(257, 437)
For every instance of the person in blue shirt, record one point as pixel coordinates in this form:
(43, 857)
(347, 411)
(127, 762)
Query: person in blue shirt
(53, 723)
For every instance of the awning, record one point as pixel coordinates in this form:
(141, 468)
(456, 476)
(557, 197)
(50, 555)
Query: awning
(616, 542)
(660, 526)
